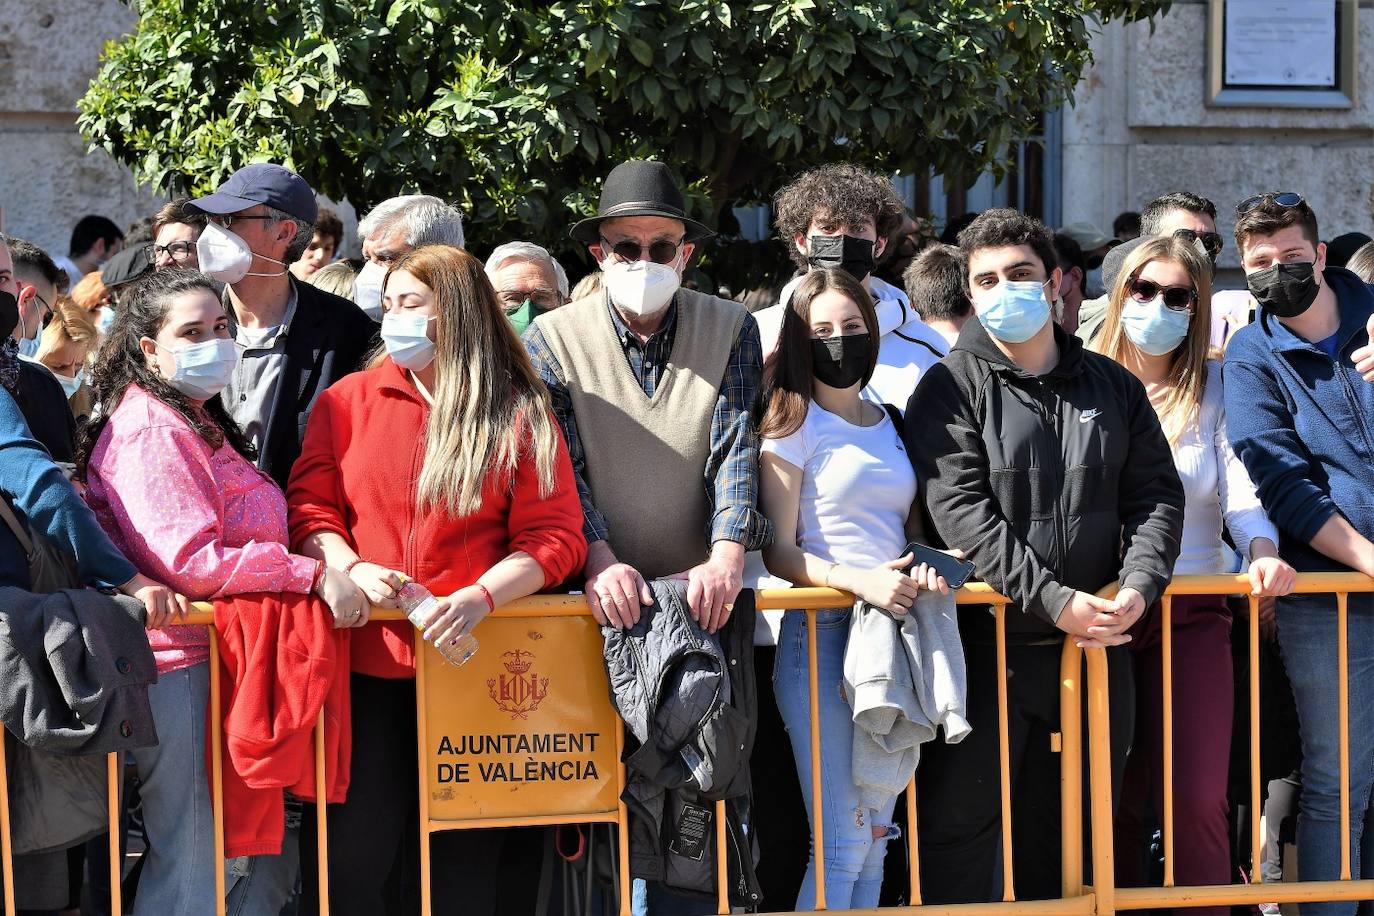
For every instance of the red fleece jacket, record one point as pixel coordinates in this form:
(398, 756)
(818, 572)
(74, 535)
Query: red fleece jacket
(281, 661)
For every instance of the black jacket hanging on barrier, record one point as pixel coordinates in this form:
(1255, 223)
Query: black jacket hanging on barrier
(688, 698)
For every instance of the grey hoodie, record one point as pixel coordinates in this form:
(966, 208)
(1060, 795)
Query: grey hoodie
(904, 678)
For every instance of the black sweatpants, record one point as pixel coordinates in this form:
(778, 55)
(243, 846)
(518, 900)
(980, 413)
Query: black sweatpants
(374, 864)
(959, 785)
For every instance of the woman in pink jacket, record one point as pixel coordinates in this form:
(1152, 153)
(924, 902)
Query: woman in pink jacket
(170, 478)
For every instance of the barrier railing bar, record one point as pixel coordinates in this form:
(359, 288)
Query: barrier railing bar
(113, 779)
(321, 817)
(422, 743)
(1166, 623)
(1077, 906)
(1150, 898)
(1256, 790)
(1071, 767)
(1343, 699)
(6, 851)
(913, 848)
(622, 821)
(1100, 779)
(217, 770)
(817, 803)
(1004, 754)
(722, 863)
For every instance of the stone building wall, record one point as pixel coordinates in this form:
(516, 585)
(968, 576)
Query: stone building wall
(1140, 128)
(49, 51)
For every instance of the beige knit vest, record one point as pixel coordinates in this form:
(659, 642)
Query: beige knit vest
(646, 457)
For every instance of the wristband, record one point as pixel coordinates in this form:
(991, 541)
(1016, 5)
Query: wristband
(491, 605)
(319, 577)
(349, 568)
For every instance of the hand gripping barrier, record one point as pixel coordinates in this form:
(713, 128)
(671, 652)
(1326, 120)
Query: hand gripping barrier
(1101, 898)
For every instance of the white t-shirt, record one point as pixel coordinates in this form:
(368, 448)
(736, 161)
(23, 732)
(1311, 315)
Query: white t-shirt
(908, 346)
(1215, 484)
(67, 265)
(857, 488)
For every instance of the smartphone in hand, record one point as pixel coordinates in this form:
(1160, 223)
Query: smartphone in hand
(956, 572)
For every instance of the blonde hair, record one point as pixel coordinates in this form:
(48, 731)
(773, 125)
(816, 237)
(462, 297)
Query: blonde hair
(491, 411)
(90, 291)
(70, 324)
(589, 285)
(338, 278)
(1187, 375)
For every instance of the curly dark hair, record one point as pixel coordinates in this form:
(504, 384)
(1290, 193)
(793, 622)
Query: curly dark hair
(121, 363)
(1001, 227)
(840, 192)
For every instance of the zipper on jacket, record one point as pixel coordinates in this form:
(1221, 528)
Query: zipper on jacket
(1049, 405)
(1355, 407)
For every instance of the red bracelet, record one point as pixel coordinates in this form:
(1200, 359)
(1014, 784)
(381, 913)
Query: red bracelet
(319, 577)
(491, 605)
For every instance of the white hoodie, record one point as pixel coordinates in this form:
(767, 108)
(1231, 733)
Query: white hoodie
(907, 349)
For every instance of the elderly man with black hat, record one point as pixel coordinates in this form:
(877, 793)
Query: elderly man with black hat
(652, 385)
(296, 340)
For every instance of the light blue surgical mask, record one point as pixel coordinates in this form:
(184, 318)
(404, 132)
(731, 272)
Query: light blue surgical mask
(70, 385)
(105, 319)
(28, 347)
(1154, 327)
(203, 369)
(407, 340)
(1014, 311)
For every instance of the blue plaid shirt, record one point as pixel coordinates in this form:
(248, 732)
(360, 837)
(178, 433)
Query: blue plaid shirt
(732, 470)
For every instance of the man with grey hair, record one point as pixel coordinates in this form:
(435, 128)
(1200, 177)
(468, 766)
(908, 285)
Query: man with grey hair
(528, 282)
(394, 227)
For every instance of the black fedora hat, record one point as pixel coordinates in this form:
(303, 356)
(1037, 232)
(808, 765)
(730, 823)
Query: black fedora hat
(639, 188)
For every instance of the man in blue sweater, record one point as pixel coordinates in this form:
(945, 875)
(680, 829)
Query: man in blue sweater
(1301, 418)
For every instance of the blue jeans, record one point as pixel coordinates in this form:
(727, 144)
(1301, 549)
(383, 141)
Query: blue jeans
(649, 898)
(853, 858)
(262, 884)
(1307, 637)
(178, 868)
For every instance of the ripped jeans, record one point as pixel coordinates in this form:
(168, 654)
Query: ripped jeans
(853, 858)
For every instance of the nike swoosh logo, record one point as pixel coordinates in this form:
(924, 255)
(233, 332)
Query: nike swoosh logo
(1087, 415)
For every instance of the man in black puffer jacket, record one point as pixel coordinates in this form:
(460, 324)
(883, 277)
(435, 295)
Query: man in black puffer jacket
(1047, 466)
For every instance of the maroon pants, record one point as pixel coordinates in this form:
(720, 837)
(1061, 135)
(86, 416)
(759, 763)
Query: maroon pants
(1203, 709)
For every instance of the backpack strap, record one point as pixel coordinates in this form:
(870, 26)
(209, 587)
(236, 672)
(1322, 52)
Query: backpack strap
(13, 523)
(897, 421)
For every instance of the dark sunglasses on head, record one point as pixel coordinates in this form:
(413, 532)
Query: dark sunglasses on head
(1178, 298)
(1282, 198)
(1212, 242)
(660, 252)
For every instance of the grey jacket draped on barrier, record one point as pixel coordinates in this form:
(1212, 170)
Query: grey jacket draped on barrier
(74, 673)
(904, 678)
(688, 698)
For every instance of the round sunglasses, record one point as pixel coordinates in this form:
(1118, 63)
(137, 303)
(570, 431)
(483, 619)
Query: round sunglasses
(1178, 298)
(1287, 199)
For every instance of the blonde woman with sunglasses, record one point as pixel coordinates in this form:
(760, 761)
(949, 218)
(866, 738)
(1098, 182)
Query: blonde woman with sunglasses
(1158, 325)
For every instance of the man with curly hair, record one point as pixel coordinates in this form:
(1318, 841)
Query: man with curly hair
(841, 215)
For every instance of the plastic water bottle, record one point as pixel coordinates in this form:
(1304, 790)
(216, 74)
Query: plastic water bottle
(420, 605)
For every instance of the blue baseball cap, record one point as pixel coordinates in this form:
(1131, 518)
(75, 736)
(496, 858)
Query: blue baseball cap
(262, 183)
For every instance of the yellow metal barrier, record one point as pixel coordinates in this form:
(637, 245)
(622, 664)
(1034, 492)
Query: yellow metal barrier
(1102, 898)
(1339, 584)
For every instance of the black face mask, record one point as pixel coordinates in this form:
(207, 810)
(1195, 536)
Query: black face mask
(9, 314)
(842, 362)
(1285, 290)
(853, 255)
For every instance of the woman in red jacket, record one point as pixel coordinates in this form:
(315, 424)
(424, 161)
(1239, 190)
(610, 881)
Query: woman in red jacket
(441, 462)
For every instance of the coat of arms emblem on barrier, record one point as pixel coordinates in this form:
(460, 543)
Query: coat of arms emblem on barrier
(519, 691)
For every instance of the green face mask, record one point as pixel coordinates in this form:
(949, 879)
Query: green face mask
(521, 316)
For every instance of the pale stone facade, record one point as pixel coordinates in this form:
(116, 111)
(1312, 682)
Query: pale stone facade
(1140, 128)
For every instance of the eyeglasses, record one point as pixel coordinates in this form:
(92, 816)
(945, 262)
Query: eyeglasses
(1212, 242)
(1178, 298)
(227, 221)
(660, 252)
(1286, 199)
(177, 251)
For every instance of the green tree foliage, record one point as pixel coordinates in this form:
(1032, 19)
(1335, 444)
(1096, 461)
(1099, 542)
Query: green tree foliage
(516, 110)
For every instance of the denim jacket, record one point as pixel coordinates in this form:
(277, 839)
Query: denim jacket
(1303, 423)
